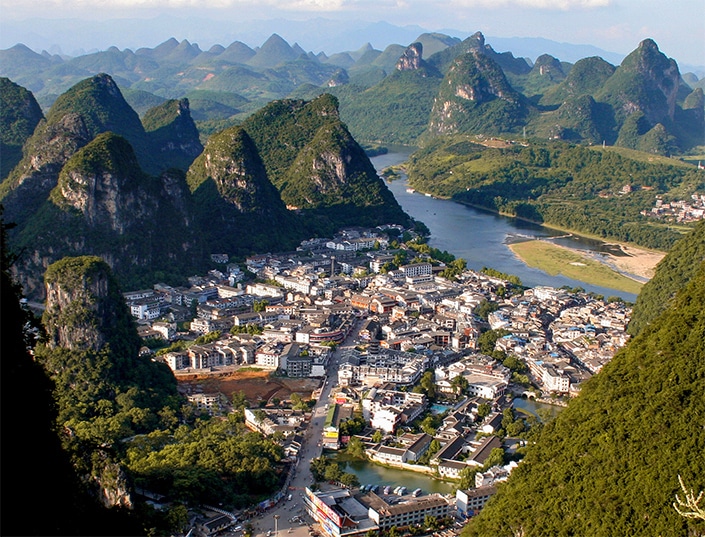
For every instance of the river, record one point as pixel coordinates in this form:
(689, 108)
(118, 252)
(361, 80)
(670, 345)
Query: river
(482, 237)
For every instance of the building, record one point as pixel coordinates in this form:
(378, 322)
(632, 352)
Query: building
(338, 512)
(417, 269)
(469, 502)
(386, 409)
(405, 513)
(210, 403)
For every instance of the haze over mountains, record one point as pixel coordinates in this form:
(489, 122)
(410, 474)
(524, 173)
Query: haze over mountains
(75, 37)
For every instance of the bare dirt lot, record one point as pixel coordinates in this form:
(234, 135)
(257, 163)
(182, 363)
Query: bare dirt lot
(256, 385)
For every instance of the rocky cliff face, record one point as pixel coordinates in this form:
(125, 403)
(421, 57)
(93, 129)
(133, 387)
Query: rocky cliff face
(332, 175)
(549, 68)
(91, 107)
(316, 164)
(473, 83)
(84, 309)
(231, 161)
(173, 134)
(105, 205)
(234, 197)
(411, 59)
(101, 181)
(647, 82)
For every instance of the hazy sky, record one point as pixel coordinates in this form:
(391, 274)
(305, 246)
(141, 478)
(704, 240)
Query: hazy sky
(678, 26)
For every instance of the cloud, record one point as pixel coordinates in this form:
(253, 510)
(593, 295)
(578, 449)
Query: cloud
(286, 5)
(565, 5)
(299, 5)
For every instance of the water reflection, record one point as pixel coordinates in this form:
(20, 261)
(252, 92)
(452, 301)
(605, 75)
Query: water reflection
(372, 474)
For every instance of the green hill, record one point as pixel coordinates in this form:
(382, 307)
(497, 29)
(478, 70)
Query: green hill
(172, 134)
(104, 204)
(396, 110)
(234, 198)
(475, 96)
(19, 116)
(568, 186)
(674, 271)
(318, 166)
(609, 463)
(585, 78)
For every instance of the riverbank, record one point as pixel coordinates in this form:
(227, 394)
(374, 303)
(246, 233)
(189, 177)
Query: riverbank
(554, 259)
(627, 272)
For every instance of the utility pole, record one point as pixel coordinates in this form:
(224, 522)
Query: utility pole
(276, 526)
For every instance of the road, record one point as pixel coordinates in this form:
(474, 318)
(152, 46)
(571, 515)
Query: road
(310, 449)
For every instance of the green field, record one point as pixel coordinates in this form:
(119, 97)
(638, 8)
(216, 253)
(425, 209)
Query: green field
(571, 264)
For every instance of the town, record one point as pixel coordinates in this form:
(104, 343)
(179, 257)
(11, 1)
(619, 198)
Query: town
(679, 210)
(414, 370)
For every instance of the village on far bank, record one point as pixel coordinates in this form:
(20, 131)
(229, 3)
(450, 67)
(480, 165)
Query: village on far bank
(434, 355)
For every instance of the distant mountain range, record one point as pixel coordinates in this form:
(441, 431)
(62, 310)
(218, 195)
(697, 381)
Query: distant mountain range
(388, 96)
(75, 37)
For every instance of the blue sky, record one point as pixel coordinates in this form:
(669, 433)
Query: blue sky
(677, 26)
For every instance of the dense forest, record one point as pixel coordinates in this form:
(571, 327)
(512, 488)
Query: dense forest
(107, 420)
(610, 463)
(564, 185)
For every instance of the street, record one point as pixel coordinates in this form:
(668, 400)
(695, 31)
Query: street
(310, 449)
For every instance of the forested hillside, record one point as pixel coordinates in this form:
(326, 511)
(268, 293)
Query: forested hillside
(96, 179)
(609, 464)
(564, 185)
(674, 271)
(106, 420)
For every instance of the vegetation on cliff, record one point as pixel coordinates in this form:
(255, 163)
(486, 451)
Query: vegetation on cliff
(609, 464)
(19, 116)
(318, 166)
(673, 272)
(121, 422)
(233, 197)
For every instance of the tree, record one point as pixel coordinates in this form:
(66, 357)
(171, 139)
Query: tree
(428, 385)
(467, 477)
(349, 480)
(483, 410)
(239, 400)
(460, 384)
(430, 522)
(689, 506)
(177, 517)
(496, 458)
(297, 402)
(487, 340)
(260, 305)
(429, 424)
(434, 447)
(377, 436)
(514, 364)
(356, 448)
(484, 308)
(333, 472)
(318, 468)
